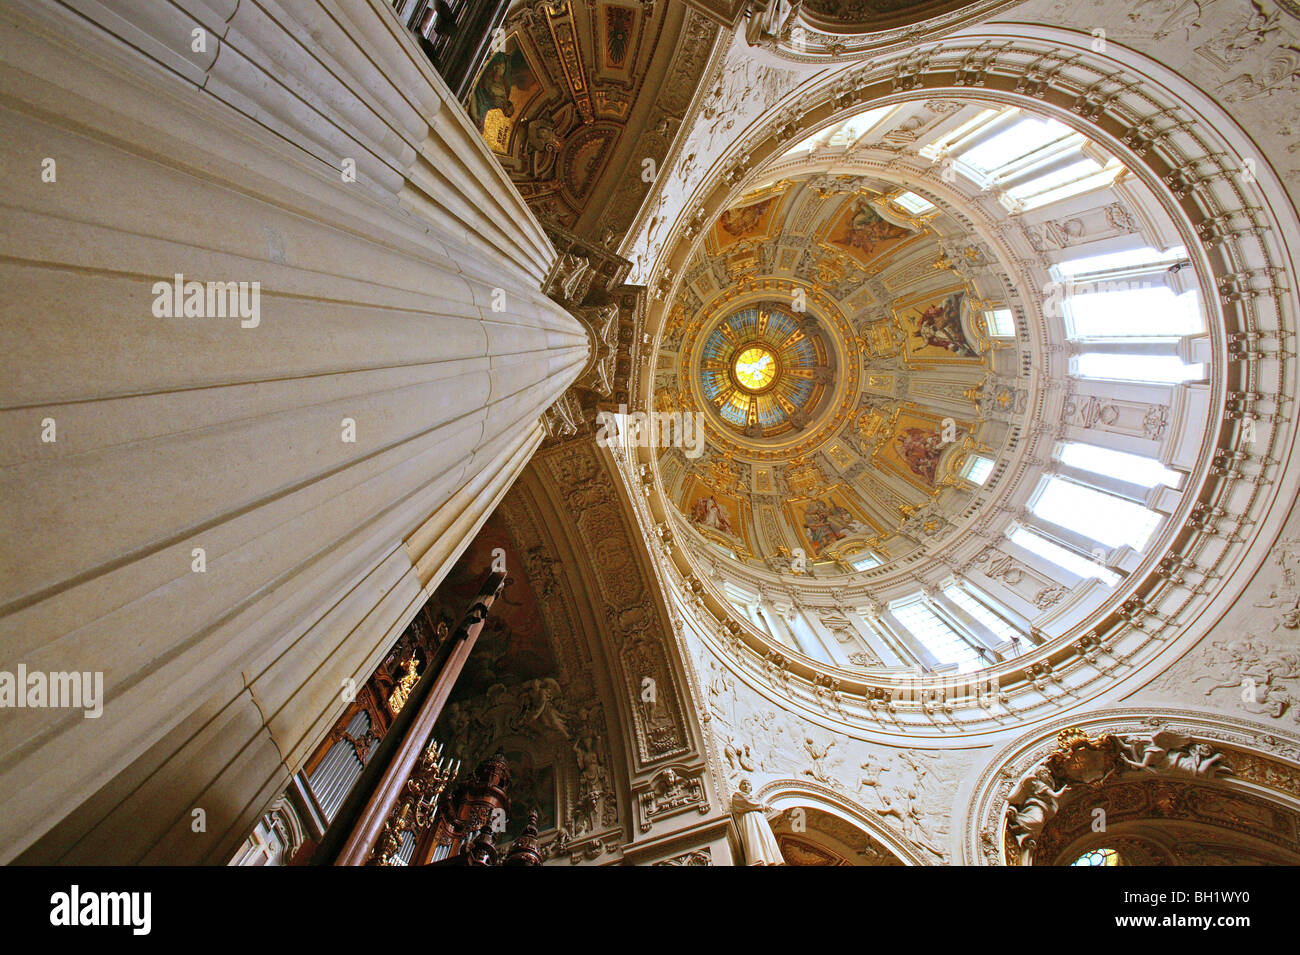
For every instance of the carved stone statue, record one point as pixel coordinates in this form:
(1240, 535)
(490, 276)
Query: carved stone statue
(757, 841)
(1168, 752)
(770, 21)
(1032, 806)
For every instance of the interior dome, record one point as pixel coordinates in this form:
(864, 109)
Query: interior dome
(863, 16)
(954, 375)
(835, 408)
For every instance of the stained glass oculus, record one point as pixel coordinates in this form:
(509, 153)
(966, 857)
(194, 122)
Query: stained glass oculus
(755, 368)
(764, 369)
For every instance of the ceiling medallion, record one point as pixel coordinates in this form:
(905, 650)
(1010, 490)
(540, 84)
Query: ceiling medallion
(756, 368)
(816, 370)
(764, 369)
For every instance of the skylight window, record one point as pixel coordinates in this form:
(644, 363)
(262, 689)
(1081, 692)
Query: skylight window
(1000, 323)
(1099, 516)
(958, 595)
(1161, 369)
(1062, 557)
(855, 126)
(1074, 180)
(913, 203)
(1130, 312)
(804, 145)
(1129, 258)
(1146, 472)
(1059, 177)
(865, 562)
(841, 134)
(935, 148)
(977, 468)
(1022, 138)
(922, 622)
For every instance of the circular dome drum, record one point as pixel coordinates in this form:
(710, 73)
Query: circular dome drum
(1019, 376)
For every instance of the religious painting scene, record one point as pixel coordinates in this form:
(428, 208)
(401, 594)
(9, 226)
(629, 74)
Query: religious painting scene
(935, 327)
(501, 94)
(607, 433)
(747, 222)
(827, 521)
(862, 232)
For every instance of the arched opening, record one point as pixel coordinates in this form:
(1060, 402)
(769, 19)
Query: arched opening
(1162, 798)
(811, 836)
(817, 826)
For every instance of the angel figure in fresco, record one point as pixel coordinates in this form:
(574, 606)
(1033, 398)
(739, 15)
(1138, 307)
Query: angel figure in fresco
(844, 523)
(738, 222)
(709, 513)
(920, 449)
(867, 229)
(939, 326)
(820, 525)
(503, 72)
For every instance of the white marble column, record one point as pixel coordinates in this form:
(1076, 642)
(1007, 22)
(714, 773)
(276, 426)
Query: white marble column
(402, 306)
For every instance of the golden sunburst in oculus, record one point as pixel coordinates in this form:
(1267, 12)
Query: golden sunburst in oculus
(755, 368)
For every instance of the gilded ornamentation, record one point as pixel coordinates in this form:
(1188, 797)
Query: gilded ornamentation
(397, 699)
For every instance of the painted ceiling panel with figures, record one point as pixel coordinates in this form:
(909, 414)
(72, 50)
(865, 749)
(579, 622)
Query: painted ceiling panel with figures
(578, 96)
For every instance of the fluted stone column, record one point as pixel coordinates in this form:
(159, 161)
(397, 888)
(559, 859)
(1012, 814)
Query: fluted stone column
(330, 459)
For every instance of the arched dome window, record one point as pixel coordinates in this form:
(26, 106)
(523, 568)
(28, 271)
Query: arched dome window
(1094, 515)
(1131, 468)
(963, 596)
(1159, 369)
(1077, 564)
(937, 634)
(1099, 857)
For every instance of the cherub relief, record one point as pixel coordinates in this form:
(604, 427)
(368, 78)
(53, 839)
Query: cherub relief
(1181, 14)
(910, 821)
(537, 707)
(819, 757)
(1174, 753)
(872, 770)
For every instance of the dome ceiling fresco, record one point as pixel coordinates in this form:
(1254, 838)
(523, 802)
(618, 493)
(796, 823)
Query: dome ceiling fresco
(1016, 369)
(871, 15)
(839, 362)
